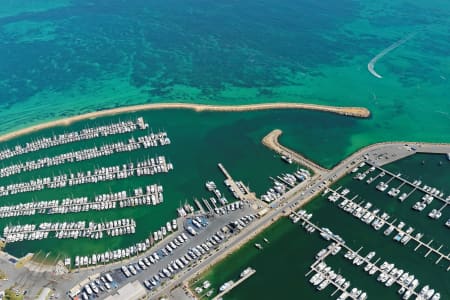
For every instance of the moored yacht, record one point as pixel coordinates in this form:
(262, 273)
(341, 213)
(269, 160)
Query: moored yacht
(226, 285)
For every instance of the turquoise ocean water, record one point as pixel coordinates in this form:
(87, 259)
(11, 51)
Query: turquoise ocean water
(62, 58)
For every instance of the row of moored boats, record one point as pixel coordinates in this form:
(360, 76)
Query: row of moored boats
(378, 219)
(283, 183)
(65, 230)
(430, 193)
(124, 253)
(149, 166)
(325, 276)
(152, 195)
(74, 136)
(146, 141)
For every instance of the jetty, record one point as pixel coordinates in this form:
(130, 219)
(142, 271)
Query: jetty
(238, 189)
(64, 230)
(435, 193)
(146, 141)
(378, 222)
(150, 195)
(208, 206)
(271, 142)
(387, 273)
(69, 137)
(199, 205)
(248, 274)
(149, 166)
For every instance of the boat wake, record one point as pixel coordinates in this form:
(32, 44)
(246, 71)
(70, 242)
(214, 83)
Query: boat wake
(373, 61)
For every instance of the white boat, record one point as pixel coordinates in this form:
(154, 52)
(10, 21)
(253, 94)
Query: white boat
(314, 278)
(321, 253)
(435, 214)
(287, 159)
(326, 233)
(436, 296)
(407, 295)
(323, 284)
(226, 285)
(246, 272)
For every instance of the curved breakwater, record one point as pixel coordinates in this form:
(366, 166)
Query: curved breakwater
(358, 112)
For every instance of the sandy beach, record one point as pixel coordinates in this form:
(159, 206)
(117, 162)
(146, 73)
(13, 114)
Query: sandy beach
(358, 112)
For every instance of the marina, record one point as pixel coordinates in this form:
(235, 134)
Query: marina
(378, 219)
(219, 202)
(229, 285)
(429, 192)
(68, 230)
(386, 273)
(88, 85)
(415, 264)
(74, 136)
(149, 166)
(152, 196)
(111, 256)
(151, 140)
(283, 183)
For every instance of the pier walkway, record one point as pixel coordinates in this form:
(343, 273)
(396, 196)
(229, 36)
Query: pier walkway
(405, 181)
(242, 192)
(235, 284)
(199, 205)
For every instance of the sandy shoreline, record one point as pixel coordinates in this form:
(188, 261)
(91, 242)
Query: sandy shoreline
(358, 112)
